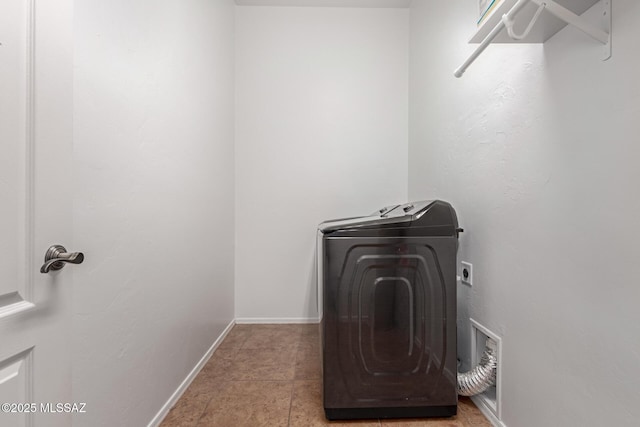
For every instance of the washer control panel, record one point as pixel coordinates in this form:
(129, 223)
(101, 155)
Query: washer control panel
(407, 209)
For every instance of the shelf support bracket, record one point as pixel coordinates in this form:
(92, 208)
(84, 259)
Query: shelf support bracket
(603, 36)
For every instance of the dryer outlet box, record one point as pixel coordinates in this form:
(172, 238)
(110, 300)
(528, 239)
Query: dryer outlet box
(488, 402)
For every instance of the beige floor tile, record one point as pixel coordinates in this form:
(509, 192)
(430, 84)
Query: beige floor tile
(243, 327)
(203, 386)
(185, 414)
(218, 368)
(308, 362)
(310, 338)
(249, 404)
(477, 420)
(470, 413)
(263, 365)
(233, 341)
(307, 409)
(466, 404)
(312, 329)
(192, 404)
(273, 336)
(249, 382)
(226, 352)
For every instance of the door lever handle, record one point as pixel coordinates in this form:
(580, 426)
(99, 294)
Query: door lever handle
(57, 256)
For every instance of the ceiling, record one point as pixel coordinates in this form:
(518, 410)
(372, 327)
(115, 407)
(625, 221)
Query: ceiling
(327, 3)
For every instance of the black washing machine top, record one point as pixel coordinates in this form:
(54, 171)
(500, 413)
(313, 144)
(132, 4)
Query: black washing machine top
(427, 217)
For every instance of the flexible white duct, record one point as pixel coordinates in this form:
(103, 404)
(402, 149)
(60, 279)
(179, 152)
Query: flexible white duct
(482, 376)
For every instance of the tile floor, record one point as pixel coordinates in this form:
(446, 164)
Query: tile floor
(269, 375)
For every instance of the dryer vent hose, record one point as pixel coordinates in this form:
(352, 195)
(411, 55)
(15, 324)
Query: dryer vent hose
(482, 376)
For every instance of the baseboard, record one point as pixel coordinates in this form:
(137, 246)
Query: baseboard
(187, 381)
(275, 320)
(479, 402)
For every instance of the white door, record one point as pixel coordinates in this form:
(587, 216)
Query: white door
(36, 187)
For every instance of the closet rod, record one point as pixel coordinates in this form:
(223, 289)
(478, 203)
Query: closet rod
(492, 35)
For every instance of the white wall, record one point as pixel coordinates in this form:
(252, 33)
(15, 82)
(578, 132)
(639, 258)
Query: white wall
(321, 132)
(537, 148)
(153, 199)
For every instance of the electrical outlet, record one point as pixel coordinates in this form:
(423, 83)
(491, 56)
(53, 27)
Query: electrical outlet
(466, 273)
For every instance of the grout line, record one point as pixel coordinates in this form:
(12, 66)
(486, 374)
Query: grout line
(203, 412)
(290, 404)
(241, 346)
(295, 371)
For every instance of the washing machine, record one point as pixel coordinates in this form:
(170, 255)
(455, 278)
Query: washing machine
(387, 300)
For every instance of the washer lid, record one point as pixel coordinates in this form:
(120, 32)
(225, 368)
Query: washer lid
(389, 215)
